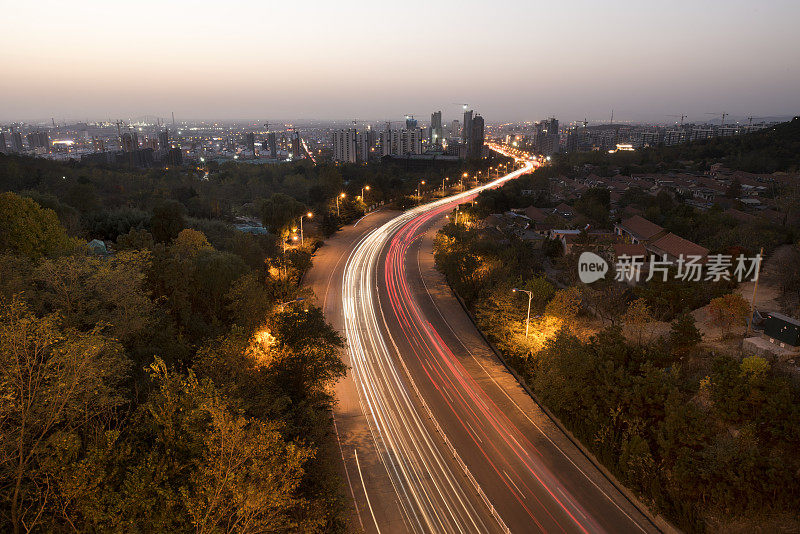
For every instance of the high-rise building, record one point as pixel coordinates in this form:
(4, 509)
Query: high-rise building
(295, 145)
(475, 144)
(16, 141)
(437, 132)
(38, 140)
(466, 130)
(250, 142)
(272, 142)
(344, 145)
(411, 122)
(401, 142)
(455, 130)
(546, 138)
(163, 139)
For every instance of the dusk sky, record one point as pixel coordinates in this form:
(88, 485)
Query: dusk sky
(512, 60)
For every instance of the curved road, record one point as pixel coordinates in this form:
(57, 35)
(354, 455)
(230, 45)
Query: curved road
(435, 435)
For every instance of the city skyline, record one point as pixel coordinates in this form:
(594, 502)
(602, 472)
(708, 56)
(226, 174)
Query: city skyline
(517, 61)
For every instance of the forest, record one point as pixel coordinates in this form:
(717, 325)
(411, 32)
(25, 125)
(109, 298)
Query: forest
(163, 370)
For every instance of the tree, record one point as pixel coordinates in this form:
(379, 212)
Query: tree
(238, 474)
(30, 230)
(315, 347)
(53, 383)
(279, 212)
(728, 311)
(189, 243)
(564, 305)
(136, 239)
(167, 221)
(684, 335)
(638, 317)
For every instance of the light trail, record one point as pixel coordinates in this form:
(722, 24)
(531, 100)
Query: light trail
(431, 492)
(402, 368)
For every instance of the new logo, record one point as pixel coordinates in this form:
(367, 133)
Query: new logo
(591, 267)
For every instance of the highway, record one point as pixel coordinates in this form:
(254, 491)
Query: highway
(435, 434)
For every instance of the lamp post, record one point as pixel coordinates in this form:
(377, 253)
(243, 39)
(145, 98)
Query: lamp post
(419, 195)
(528, 318)
(283, 304)
(443, 181)
(309, 215)
(365, 188)
(342, 195)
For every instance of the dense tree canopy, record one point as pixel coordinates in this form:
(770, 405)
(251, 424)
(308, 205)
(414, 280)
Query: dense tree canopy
(29, 229)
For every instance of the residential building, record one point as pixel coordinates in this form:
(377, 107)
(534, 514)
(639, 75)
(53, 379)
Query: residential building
(272, 144)
(637, 229)
(401, 142)
(455, 130)
(437, 132)
(344, 145)
(38, 140)
(16, 142)
(671, 247)
(250, 142)
(466, 130)
(476, 138)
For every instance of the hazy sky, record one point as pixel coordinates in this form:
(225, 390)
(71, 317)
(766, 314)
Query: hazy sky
(510, 60)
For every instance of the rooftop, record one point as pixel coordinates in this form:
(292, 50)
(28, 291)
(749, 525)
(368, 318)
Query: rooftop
(641, 227)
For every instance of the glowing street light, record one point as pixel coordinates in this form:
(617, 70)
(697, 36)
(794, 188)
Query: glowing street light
(365, 188)
(418, 189)
(309, 215)
(341, 195)
(530, 297)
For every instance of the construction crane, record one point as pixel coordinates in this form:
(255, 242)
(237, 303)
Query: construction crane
(750, 120)
(723, 117)
(682, 116)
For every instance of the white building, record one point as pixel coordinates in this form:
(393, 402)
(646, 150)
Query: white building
(401, 142)
(344, 146)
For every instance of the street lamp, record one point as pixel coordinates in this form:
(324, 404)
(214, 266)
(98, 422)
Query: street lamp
(530, 297)
(365, 188)
(445, 179)
(309, 215)
(341, 195)
(283, 304)
(419, 195)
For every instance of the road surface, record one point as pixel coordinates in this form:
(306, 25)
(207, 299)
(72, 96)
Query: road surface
(435, 434)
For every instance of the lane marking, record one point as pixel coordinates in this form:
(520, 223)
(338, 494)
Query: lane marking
(358, 465)
(519, 408)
